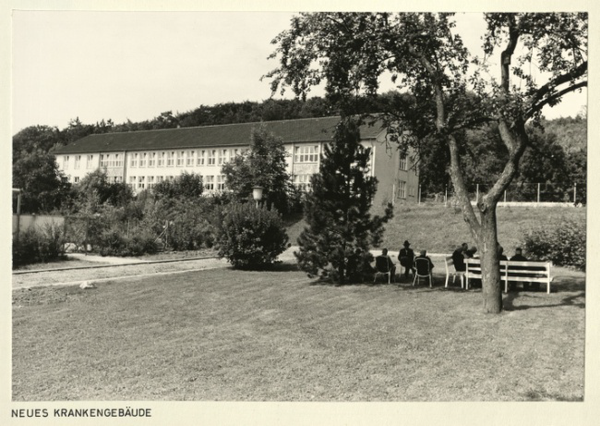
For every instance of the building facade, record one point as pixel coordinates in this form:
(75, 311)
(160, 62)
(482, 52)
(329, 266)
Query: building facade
(142, 159)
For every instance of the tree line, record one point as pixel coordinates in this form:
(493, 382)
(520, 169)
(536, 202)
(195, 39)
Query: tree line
(557, 155)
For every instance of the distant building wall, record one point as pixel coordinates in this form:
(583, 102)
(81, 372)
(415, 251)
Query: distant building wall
(27, 221)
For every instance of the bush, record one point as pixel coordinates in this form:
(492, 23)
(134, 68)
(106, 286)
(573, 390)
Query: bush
(114, 243)
(250, 237)
(39, 245)
(562, 243)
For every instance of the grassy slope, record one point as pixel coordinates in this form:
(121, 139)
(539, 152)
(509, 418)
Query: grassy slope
(231, 335)
(440, 230)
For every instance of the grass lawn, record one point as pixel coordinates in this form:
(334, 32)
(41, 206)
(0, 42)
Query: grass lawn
(440, 230)
(273, 336)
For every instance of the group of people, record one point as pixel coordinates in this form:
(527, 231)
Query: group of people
(408, 260)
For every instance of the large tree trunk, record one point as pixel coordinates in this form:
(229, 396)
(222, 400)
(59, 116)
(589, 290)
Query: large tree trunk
(490, 280)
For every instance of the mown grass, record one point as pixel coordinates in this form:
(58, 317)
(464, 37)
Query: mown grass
(278, 336)
(440, 229)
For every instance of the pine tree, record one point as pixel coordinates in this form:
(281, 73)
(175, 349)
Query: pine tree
(340, 227)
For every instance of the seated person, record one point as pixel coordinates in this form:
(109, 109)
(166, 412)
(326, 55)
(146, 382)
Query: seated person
(458, 258)
(420, 269)
(391, 267)
(470, 253)
(406, 256)
(501, 255)
(520, 258)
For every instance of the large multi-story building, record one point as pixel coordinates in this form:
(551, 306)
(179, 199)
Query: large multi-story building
(144, 158)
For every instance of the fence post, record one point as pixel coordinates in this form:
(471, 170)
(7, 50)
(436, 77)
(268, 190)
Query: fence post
(477, 193)
(446, 197)
(505, 198)
(18, 191)
(538, 193)
(575, 194)
(419, 194)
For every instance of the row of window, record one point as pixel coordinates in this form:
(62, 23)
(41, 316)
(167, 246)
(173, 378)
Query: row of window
(189, 158)
(211, 182)
(112, 179)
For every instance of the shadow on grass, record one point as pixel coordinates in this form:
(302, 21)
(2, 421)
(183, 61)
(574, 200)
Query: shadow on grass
(576, 300)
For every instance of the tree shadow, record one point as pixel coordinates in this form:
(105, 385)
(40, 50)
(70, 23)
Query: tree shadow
(576, 300)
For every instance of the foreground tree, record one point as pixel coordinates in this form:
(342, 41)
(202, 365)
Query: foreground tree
(340, 227)
(45, 188)
(424, 56)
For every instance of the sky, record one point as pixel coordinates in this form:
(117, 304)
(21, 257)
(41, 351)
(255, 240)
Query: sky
(134, 65)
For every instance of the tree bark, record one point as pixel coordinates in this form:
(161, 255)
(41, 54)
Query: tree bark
(490, 265)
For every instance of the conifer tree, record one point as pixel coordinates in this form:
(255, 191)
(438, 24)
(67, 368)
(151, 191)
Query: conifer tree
(340, 231)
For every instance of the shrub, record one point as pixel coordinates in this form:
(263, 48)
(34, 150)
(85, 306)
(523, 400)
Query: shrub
(563, 243)
(114, 243)
(39, 245)
(250, 237)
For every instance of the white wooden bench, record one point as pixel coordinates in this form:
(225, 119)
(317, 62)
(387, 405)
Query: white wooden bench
(450, 269)
(515, 271)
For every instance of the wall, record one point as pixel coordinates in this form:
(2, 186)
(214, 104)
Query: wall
(38, 221)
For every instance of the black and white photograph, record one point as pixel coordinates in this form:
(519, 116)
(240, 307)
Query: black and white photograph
(363, 214)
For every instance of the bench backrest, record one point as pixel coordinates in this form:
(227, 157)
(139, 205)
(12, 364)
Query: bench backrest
(513, 270)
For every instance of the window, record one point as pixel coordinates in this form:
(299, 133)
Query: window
(210, 183)
(180, 158)
(223, 156)
(302, 182)
(212, 153)
(141, 182)
(118, 161)
(134, 160)
(171, 178)
(143, 158)
(170, 158)
(77, 162)
(401, 189)
(150, 181)
(117, 179)
(190, 159)
(76, 179)
(66, 162)
(161, 159)
(90, 162)
(236, 152)
(201, 155)
(306, 154)
(403, 162)
(220, 182)
(160, 179)
(132, 182)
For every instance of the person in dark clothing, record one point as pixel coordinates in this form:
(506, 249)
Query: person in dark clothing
(406, 256)
(458, 258)
(470, 253)
(423, 255)
(501, 255)
(520, 258)
(519, 255)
